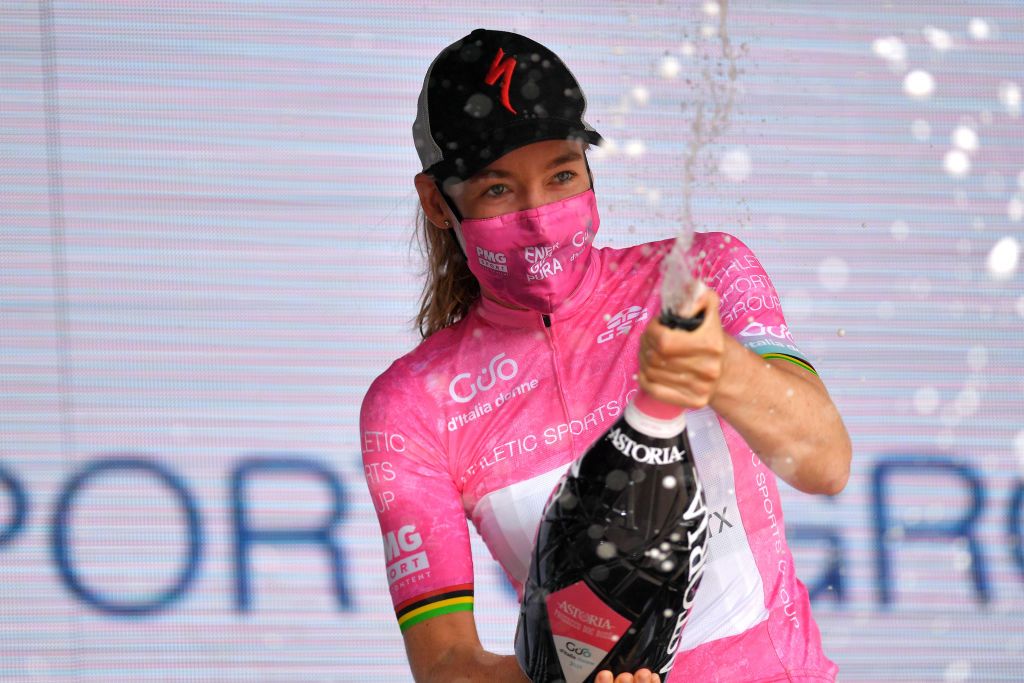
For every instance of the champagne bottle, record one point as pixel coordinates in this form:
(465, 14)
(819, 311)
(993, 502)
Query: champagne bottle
(620, 551)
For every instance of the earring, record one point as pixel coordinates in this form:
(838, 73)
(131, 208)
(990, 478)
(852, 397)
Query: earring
(447, 223)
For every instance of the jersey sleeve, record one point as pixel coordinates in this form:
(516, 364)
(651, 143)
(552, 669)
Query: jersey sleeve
(750, 309)
(427, 555)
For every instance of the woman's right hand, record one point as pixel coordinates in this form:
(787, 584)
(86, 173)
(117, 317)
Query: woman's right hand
(641, 676)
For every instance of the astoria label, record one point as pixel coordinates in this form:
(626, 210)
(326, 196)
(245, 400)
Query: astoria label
(649, 455)
(592, 619)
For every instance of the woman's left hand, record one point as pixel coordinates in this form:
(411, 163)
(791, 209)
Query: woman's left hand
(684, 367)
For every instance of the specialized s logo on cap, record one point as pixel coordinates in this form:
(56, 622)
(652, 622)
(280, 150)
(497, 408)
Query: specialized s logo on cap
(503, 68)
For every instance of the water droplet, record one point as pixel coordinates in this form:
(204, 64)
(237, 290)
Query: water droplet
(606, 550)
(957, 671)
(735, 165)
(635, 148)
(665, 547)
(711, 8)
(530, 90)
(921, 130)
(841, 332)
(890, 48)
(640, 95)
(595, 531)
(1018, 448)
(939, 39)
(967, 402)
(1009, 96)
(1003, 258)
(919, 84)
(978, 28)
(965, 138)
(1015, 209)
(478, 105)
(669, 67)
(668, 614)
(616, 480)
(833, 273)
(568, 500)
(669, 482)
(667, 566)
(977, 358)
(957, 163)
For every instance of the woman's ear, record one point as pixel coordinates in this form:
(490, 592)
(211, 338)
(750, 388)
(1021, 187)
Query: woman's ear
(433, 203)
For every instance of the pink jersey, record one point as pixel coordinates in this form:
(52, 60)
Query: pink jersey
(481, 420)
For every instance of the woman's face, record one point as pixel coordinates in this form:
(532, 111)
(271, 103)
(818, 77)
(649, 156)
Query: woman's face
(525, 178)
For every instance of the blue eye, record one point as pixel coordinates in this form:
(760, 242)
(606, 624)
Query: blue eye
(489, 192)
(570, 175)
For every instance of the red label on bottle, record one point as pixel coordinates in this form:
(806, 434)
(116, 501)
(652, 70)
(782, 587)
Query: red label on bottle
(584, 629)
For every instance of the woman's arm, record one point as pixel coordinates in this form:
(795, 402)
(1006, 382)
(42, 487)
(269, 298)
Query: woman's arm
(447, 648)
(786, 415)
(783, 411)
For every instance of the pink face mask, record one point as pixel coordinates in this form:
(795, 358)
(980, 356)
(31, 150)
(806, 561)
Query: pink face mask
(533, 258)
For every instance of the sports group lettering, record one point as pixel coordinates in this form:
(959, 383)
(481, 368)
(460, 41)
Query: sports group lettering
(549, 436)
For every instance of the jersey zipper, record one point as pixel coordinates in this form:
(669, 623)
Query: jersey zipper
(549, 332)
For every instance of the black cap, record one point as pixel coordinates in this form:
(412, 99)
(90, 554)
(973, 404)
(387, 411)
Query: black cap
(488, 94)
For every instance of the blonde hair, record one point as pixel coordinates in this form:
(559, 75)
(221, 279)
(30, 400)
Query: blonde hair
(450, 288)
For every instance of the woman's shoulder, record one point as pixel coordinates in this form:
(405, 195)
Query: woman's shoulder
(409, 375)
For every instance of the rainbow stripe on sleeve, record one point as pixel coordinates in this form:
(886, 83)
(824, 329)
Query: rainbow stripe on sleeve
(795, 360)
(434, 604)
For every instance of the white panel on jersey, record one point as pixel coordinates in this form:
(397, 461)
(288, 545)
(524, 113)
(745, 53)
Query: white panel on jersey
(508, 519)
(730, 598)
